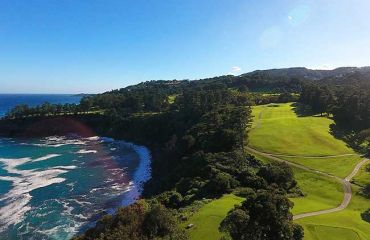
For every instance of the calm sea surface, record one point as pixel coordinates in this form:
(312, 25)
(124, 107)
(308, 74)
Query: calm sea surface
(55, 187)
(8, 101)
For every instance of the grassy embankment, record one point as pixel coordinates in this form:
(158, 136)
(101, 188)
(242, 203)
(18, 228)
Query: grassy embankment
(286, 129)
(208, 218)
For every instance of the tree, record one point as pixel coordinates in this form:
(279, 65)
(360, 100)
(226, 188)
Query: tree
(236, 224)
(298, 232)
(139, 221)
(366, 190)
(262, 216)
(220, 183)
(85, 104)
(366, 215)
(278, 173)
(171, 199)
(160, 223)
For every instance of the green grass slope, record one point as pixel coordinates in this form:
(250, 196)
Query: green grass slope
(207, 220)
(338, 166)
(363, 176)
(346, 224)
(278, 129)
(320, 192)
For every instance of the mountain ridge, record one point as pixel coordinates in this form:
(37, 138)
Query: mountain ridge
(313, 74)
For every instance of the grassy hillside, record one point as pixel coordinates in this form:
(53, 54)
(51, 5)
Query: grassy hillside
(337, 166)
(288, 129)
(207, 220)
(278, 128)
(363, 176)
(346, 224)
(321, 192)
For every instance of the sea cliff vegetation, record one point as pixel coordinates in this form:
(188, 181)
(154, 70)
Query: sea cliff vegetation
(197, 131)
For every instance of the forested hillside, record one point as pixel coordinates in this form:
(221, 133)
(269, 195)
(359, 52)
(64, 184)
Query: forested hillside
(197, 131)
(198, 142)
(347, 100)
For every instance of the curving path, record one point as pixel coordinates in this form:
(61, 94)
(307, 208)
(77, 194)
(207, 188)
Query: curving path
(328, 156)
(297, 165)
(346, 182)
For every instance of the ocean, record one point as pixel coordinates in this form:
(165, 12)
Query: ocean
(8, 101)
(57, 186)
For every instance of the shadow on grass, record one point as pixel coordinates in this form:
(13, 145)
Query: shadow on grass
(348, 135)
(302, 110)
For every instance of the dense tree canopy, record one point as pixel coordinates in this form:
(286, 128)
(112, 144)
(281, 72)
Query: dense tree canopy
(349, 104)
(197, 131)
(139, 221)
(264, 215)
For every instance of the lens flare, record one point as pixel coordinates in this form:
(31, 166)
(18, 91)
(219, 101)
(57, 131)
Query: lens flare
(299, 15)
(271, 37)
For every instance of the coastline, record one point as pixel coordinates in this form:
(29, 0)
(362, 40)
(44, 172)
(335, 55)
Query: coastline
(142, 173)
(141, 169)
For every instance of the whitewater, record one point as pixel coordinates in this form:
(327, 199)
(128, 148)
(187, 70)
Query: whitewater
(55, 187)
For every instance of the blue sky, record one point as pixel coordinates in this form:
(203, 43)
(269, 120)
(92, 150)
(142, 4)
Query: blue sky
(73, 46)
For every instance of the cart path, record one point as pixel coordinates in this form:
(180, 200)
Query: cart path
(305, 156)
(346, 182)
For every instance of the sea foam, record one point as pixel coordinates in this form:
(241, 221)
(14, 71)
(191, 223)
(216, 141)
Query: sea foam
(142, 174)
(77, 209)
(23, 182)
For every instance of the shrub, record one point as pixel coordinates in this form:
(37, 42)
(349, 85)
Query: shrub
(366, 215)
(365, 191)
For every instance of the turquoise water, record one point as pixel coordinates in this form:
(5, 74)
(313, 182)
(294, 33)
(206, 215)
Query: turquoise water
(54, 187)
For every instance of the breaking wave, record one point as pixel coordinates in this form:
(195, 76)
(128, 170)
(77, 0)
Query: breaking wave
(76, 180)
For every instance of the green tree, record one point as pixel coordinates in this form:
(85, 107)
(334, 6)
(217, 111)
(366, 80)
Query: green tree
(262, 216)
(139, 221)
(366, 215)
(278, 173)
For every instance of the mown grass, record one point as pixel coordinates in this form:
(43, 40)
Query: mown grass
(363, 176)
(329, 232)
(346, 224)
(324, 193)
(338, 166)
(208, 218)
(278, 129)
(320, 192)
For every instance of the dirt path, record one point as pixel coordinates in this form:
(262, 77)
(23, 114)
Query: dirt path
(346, 182)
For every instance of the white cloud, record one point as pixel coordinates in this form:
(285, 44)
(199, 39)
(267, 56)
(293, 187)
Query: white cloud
(290, 18)
(235, 70)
